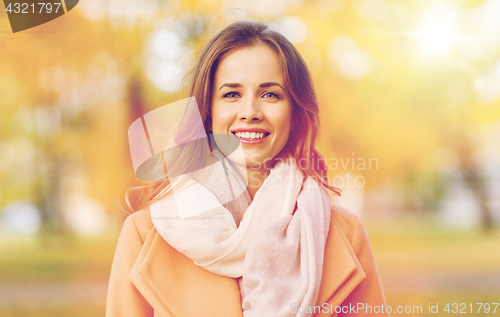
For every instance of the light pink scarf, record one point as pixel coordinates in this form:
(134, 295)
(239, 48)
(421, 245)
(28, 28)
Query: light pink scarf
(278, 247)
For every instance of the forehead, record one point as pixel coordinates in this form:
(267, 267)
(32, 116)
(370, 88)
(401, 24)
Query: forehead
(257, 63)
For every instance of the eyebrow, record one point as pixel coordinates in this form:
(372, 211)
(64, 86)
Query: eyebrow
(263, 85)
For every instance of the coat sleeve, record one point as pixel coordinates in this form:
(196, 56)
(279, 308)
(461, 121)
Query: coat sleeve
(123, 298)
(368, 294)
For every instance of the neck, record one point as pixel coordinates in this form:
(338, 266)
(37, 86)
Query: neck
(256, 176)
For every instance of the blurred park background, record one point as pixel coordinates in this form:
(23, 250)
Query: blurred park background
(409, 93)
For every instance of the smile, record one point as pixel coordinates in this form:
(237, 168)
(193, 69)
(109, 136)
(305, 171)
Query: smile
(247, 137)
(250, 135)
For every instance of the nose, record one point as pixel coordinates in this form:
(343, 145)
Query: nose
(249, 110)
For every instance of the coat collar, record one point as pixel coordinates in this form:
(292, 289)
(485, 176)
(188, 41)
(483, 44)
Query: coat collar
(175, 286)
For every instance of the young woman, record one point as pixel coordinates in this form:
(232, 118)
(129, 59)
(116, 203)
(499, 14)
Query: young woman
(279, 247)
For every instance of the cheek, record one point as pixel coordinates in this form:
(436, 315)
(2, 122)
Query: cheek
(283, 122)
(220, 120)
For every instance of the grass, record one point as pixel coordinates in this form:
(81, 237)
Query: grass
(27, 264)
(418, 245)
(424, 264)
(25, 259)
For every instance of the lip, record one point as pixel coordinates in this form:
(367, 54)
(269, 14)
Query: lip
(249, 130)
(251, 142)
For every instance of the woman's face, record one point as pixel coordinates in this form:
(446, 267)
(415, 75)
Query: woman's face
(249, 101)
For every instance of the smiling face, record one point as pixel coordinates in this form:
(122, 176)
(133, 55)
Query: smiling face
(249, 101)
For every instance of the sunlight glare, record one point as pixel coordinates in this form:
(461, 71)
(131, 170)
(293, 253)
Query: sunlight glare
(437, 37)
(437, 34)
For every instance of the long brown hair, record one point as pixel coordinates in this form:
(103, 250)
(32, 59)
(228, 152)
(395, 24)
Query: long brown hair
(302, 140)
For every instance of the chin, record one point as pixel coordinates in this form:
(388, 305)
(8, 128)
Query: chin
(255, 159)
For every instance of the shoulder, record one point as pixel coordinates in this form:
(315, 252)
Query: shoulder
(140, 222)
(347, 221)
(350, 227)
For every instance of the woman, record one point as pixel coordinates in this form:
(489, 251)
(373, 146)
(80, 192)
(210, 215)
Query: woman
(202, 246)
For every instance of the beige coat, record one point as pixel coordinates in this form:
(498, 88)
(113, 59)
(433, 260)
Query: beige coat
(150, 278)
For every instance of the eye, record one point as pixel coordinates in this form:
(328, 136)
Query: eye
(270, 94)
(231, 95)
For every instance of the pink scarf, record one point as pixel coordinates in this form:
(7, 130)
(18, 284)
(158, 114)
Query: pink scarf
(277, 248)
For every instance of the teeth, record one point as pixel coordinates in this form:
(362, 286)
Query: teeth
(249, 135)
